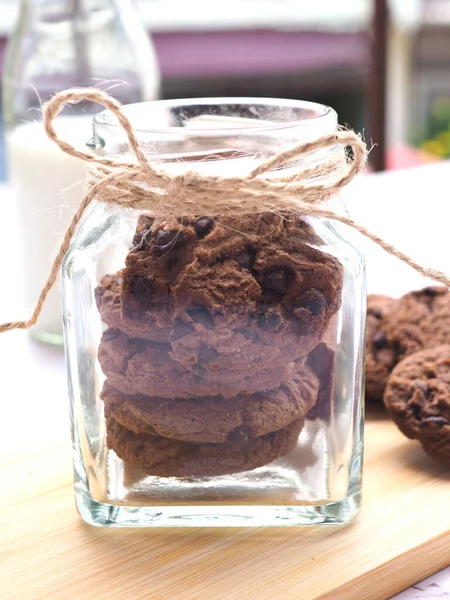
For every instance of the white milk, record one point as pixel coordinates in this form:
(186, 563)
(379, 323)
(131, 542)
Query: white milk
(48, 186)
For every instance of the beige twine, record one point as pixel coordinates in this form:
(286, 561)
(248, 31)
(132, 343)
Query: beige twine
(142, 186)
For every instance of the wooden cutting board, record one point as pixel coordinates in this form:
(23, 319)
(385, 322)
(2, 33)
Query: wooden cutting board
(401, 536)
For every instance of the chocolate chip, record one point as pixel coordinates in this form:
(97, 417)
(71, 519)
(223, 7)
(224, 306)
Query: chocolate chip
(423, 387)
(275, 282)
(249, 335)
(202, 316)
(207, 354)
(166, 240)
(430, 292)
(240, 433)
(202, 226)
(109, 335)
(141, 239)
(270, 320)
(180, 329)
(416, 411)
(141, 289)
(246, 259)
(313, 300)
(379, 341)
(200, 370)
(439, 421)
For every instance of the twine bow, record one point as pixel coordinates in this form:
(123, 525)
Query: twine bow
(139, 184)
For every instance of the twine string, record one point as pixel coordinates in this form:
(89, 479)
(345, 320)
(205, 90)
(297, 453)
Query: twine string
(140, 185)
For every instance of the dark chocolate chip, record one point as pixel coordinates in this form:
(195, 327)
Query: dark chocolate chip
(201, 316)
(207, 354)
(270, 320)
(140, 345)
(416, 411)
(246, 259)
(166, 240)
(249, 335)
(141, 240)
(109, 334)
(180, 329)
(141, 289)
(430, 292)
(200, 370)
(240, 433)
(423, 387)
(313, 300)
(275, 282)
(438, 421)
(202, 226)
(379, 341)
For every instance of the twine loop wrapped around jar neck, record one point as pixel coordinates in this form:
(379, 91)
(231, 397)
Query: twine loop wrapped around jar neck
(144, 186)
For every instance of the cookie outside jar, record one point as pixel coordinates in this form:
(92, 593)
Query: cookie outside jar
(215, 357)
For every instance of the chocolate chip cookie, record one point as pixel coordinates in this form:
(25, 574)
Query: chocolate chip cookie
(417, 397)
(215, 419)
(419, 320)
(225, 292)
(164, 457)
(137, 366)
(380, 355)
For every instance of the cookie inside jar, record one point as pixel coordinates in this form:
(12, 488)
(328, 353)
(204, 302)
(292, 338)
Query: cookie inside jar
(216, 349)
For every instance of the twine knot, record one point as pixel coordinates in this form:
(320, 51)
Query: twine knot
(142, 185)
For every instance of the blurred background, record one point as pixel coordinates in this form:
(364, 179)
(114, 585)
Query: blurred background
(384, 65)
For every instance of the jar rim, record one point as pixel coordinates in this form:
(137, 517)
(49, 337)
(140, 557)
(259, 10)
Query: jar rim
(313, 118)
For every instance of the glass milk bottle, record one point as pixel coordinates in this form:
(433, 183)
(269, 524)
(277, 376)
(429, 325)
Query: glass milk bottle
(58, 44)
(215, 354)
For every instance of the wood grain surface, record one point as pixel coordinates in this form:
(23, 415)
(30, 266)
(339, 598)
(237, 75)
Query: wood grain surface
(401, 536)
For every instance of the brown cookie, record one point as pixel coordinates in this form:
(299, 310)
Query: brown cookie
(137, 366)
(215, 419)
(171, 458)
(380, 356)
(227, 293)
(417, 397)
(419, 320)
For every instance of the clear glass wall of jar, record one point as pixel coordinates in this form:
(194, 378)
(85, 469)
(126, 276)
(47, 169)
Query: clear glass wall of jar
(215, 362)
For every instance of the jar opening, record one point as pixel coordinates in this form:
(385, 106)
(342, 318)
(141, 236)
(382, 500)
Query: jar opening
(241, 130)
(202, 116)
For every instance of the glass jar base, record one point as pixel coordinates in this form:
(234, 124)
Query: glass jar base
(108, 515)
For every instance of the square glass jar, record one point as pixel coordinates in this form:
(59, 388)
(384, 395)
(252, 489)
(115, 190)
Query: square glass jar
(215, 360)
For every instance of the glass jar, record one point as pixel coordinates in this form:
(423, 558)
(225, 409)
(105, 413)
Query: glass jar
(58, 44)
(215, 362)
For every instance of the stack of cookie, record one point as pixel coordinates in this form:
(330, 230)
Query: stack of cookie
(213, 354)
(408, 364)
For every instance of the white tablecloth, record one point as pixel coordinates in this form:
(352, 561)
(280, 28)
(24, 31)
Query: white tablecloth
(409, 208)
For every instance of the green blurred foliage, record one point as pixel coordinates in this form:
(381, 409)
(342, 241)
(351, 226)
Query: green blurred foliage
(436, 135)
